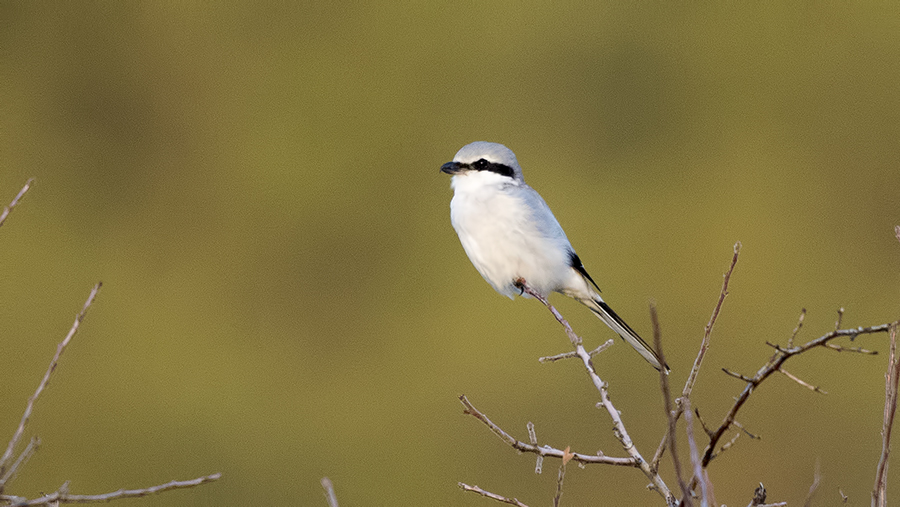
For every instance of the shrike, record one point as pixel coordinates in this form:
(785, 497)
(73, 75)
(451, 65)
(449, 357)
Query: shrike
(509, 233)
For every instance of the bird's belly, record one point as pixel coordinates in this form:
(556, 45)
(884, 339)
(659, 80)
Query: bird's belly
(503, 249)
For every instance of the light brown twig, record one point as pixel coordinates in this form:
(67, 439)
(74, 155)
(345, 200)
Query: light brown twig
(330, 496)
(797, 329)
(781, 355)
(618, 426)
(43, 384)
(704, 343)
(542, 450)
(801, 382)
(699, 473)
(8, 209)
(64, 497)
(570, 355)
(879, 494)
(858, 350)
(686, 500)
(704, 346)
(493, 496)
(32, 446)
(567, 456)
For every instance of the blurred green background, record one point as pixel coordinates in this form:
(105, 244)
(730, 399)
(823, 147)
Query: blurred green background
(284, 298)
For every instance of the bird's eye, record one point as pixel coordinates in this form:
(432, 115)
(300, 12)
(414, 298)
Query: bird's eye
(480, 164)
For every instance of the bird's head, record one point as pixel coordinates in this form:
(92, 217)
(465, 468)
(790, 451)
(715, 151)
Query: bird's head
(484, 157)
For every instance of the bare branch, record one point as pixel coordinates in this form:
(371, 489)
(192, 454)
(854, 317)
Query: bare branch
(493, 496)
(728, 444)
(837, 323)
(817, 477)
(774, 364)
(532, 437)
(801, 382)
(699, 473)
(62, 496)
(569, 355)
(329, 492)
(704, 344)
(43, 384)
(737, 375)
(32, 446)
(7, 210)
(618, 426)
(702, 423)
(562, 475)
(574, 338)
(879, 494)
(544, 450)
(797, 329)
(858, 350)
(670, 413)
(743, 429)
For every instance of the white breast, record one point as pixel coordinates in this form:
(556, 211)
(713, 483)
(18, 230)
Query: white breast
(497, 228)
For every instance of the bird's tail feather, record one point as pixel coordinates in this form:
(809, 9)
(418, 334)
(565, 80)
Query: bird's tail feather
(611, 319)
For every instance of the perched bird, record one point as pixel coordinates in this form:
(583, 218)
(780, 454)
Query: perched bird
(509, 233)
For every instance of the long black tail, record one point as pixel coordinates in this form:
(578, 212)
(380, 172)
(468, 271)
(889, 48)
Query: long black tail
(612, 319)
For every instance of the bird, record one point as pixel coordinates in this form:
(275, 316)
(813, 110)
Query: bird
(510, 235)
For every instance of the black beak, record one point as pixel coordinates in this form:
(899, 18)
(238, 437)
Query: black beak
(453, 168)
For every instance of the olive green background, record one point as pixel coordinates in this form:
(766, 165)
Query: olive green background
(284, 298)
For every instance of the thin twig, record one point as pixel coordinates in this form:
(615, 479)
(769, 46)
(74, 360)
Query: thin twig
(570, 355)
(799, 325)
(330, 496)
(560, 476)
(737, 375)
(542, 450)
(817, 477)
(43, 384)
(704, 346)
(801, 382)
(837, 323)
(618, 426)
(858, 350)
(775, 362)
(493, 496)
(879, 494)
(32, 446)
(7, 210)
(667, 406)
(699, 473)
(532, 437)
(744, 430)
(64, 497)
